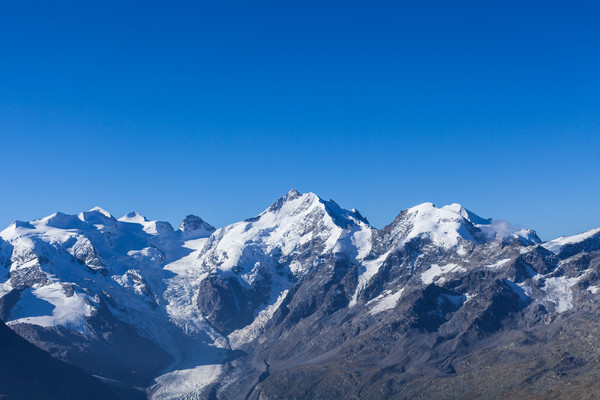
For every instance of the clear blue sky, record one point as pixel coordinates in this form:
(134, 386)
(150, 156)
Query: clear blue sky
(217, 108)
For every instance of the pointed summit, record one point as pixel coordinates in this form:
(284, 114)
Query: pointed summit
(101, 211)
(292, 195)
(293, 192)
(295, 203)
(286, 229)
(195, 226)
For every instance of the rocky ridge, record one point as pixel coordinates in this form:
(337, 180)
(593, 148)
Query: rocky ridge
(307, 300)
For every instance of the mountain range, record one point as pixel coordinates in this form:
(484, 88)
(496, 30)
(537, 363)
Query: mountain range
(305, 300)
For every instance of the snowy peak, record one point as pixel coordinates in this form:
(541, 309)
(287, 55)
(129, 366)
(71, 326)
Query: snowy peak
(267, 254)
(160, 228)
(98, 216)
(197, 292)
(101, 211)
(295, 203)
(60, 226)
(133, 217)
(291, 197)
(296, 225)
(448, 225)
(293, 194)
(194, 226)
(464, 213)
(443, 226)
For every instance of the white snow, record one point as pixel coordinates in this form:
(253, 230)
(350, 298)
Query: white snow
(134, 252)
(151, 273)
(150, 227)
(556, 245)
(101, 211)
(444, 226)
(5, 288)
(185, 383)
(521, 289)
(367, 270)
(49, 306)
(133, 218)
(558, 291)
(385, 301)
(449, 225)
(361, 239)
(593, 289)
(435, 271)
(498, 264)
(279, 232)
(182, 288)
(461, 251)
(250, 332)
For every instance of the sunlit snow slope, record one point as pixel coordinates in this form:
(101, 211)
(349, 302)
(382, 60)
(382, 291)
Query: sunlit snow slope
(191, 298)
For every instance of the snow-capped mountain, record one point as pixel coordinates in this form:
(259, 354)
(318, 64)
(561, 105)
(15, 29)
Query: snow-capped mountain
(305, 300)
(451, 224)
(252, 263)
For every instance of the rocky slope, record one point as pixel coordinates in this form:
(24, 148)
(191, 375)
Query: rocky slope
(29, 373)
(307, 300)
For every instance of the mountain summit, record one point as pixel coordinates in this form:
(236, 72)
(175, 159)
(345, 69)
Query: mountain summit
(448, 225)
(306, 300)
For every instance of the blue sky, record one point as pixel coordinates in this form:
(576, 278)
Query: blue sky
(218, 108)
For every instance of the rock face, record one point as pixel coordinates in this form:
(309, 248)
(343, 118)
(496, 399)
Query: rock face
(307, 300)
(193, 226)
(27, 372)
